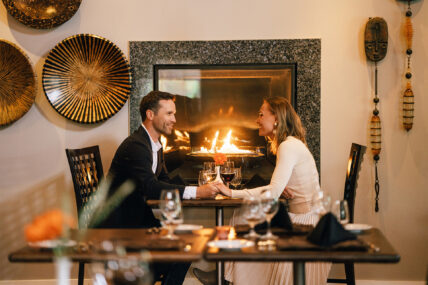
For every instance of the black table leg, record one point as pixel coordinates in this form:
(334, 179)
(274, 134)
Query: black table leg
(299, 273)
(220, 264)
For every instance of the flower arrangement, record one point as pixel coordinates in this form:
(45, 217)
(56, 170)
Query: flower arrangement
(219, 158)
(49, 225)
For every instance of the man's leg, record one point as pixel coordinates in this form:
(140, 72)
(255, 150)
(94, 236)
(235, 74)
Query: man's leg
(173, 273)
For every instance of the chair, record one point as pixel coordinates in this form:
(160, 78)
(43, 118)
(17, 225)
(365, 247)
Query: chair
(353, 169)
(87, 172)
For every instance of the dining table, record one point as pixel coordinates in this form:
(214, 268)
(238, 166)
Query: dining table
(371, 246)
(140, 244)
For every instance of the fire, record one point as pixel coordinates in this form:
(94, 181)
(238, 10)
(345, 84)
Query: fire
(227, 146)
(232, 234)
(164, 143)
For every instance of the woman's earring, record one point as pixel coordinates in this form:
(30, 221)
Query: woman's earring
(275, 125)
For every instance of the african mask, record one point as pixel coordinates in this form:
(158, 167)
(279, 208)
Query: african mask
(376, 39)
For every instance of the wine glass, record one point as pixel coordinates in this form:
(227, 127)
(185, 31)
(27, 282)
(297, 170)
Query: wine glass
(321, 203)
(236, 181)
(253, 213)
(341, 211)
(270, 206)
(170, 206)
(209, 165)
(210, 170)
(227, 173)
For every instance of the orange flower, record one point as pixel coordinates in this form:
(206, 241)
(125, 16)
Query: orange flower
(49, 225)
(220, 158)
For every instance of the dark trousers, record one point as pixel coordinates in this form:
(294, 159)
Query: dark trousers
(171, 273)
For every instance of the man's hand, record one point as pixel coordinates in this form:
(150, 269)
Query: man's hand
(207, 191)
(287, 193)
(224, 189)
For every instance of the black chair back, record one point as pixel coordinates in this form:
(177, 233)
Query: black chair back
(87, 172)
(354, 164)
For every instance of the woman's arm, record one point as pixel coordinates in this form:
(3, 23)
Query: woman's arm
(287, 157)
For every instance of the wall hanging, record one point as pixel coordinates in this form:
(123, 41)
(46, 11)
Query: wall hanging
(86, 78)
(376, 46)
(17, 83)
(42, 14)
(408, 96)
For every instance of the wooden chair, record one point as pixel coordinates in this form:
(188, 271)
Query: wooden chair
(87, 172)
(353, 169)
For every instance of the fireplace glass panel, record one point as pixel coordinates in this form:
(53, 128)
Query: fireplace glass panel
(214, 100)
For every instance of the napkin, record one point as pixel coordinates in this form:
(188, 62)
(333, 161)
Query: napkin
(280, 220)
(255, 181)
(329, 231)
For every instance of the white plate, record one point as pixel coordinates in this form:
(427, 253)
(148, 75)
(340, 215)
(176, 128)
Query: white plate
(52, 243)
(235, 244)
(186, 228)
(357, 228)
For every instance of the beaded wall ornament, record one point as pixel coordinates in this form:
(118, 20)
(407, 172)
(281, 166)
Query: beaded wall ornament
(376, 46)
(408, 96)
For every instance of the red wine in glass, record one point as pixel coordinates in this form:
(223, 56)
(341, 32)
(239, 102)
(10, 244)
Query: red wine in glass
(227, 176)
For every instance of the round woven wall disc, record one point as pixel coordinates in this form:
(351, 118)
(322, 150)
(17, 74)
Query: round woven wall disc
(17, 83)
(42, 14)
(86, 78)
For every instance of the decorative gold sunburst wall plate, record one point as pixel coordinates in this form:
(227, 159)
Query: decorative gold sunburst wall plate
(17, 83)
(42, 14)
(86, 78)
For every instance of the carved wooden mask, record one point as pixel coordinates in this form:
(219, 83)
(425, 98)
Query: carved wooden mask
(376, 39)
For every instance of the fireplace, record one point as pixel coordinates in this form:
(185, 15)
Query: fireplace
(216, 110)
(219, 87)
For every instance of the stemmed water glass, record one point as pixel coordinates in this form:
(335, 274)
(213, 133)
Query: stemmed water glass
(226, 172)
(321, 203)
(341, 210)
(236, 181)
(206, 176)
(253, 213)
(170, 206)
(270, 206)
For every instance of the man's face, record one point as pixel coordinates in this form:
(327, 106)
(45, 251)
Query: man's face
(164, 118)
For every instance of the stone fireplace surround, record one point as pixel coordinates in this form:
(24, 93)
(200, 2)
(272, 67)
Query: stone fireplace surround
(306, 53)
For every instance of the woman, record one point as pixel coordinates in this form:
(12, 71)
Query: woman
(295, 169)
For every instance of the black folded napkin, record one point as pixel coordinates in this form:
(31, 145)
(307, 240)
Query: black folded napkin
(255, 181)
(280, 220)
(329, 231)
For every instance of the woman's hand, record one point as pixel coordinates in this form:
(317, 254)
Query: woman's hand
(287, 193)
(223, 189)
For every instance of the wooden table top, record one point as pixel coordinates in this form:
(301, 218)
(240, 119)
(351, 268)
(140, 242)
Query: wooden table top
(208, 203)
(380, 251)
(189, 248)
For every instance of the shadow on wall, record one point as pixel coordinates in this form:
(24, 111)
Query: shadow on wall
(18, 211)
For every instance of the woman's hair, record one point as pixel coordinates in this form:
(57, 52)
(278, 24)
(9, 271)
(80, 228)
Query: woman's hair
(289, 123)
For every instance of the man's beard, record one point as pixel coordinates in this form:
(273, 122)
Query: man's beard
(164, 130)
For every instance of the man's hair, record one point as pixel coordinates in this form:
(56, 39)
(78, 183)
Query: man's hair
(151, 102)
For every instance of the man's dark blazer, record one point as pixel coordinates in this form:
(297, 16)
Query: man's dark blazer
(133, 161)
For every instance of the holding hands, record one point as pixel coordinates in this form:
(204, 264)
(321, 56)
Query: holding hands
(208, 191)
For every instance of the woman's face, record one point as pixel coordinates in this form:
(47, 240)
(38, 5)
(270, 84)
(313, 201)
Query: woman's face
(266, 121)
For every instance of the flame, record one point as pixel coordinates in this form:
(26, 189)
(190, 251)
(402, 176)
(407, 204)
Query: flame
(164, 143)
(182, 136)
(227, 146)
(214, 142)
(232, 233)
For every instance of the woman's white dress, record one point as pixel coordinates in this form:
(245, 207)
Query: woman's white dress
(296, 169)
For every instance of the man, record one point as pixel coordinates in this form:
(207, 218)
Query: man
(140, 159)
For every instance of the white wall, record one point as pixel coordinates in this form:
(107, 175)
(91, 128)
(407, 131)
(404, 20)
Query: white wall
(34, 173)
